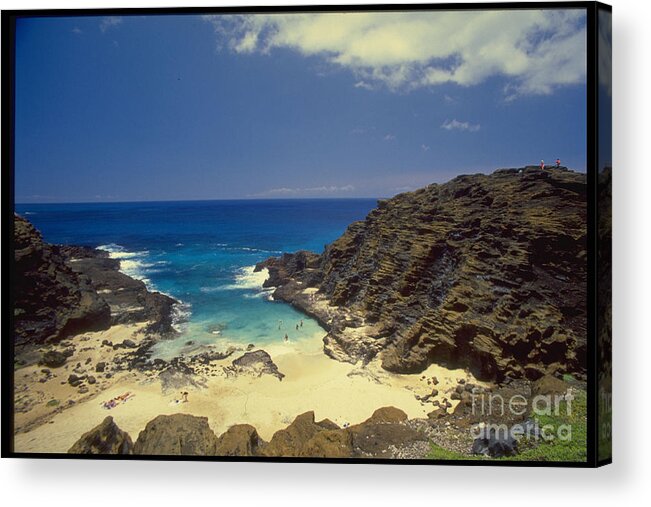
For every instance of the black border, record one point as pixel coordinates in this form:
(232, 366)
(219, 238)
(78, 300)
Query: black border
(9, 18)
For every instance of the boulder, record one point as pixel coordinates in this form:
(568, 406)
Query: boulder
(495, 443)
(291, 440)
(54, 359)
(178, 434)
(258, 363)
(329, 444)
(387, 415)
(548, 385)
(383, 440)
(238, 440)
(106, 438)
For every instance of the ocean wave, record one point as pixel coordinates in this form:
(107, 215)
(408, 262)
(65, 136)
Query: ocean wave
(234, 248)
(181, 313)
(248, 278)
(209, 290)
(133, 264)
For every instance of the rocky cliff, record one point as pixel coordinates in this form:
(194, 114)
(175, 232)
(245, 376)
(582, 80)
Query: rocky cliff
(51, 300)
(60, 291)
(485, 272)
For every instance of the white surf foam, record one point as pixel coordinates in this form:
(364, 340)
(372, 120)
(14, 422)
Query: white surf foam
(248, 278)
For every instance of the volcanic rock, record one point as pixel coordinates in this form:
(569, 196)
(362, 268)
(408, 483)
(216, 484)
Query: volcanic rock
(239, 440)
(51, 300)
(106, 438)
(178, 434)
(485, 272)
(257, 362)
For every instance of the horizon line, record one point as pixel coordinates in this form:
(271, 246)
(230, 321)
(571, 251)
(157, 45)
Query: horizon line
(23, 203)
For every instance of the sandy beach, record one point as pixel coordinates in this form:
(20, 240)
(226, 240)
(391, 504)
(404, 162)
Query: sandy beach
(342, 392)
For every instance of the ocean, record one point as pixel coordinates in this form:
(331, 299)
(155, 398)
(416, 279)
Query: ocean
(202, 253)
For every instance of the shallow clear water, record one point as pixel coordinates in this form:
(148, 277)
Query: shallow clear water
(202, 254)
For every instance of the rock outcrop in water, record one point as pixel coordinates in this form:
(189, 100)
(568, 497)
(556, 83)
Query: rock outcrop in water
(61, 291)
(486, 272)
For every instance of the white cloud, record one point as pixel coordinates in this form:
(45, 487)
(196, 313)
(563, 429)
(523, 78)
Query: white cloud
(424, 147)
(77, 31)
(305, 191)
(109, 22)
(364, 85)
(389, 137)
(536, 50)
(460, 125)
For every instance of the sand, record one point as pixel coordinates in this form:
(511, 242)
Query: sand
(342, 392)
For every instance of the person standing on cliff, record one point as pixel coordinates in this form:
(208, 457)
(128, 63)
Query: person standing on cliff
(558, 163)
(542, 165)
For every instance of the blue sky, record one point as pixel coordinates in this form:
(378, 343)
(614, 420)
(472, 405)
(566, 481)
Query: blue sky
(365, 105)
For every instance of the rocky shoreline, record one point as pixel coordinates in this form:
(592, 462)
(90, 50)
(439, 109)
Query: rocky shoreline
(485, 272)
(62, 291)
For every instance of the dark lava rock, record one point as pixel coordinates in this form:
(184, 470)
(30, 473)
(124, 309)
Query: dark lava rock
(495, 443)
(178, 434)
(129, 299)
(52, 301)
(383, 439)
(66, 290)
(75, 380)
(100, 367)
(54, 359)
(91, 380)
(177, 375)
(485, 272)
(129, 344)
(106, 438)
(258, 362)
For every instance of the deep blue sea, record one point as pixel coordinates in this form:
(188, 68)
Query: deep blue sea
(202, 253)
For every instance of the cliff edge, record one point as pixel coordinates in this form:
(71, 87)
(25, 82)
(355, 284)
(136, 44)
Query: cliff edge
(60, 291)
(485, 272)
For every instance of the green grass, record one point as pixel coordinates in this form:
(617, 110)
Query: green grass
(52, 403)
(573, 449)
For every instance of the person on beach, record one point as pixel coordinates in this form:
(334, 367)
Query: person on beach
(280, 324)
(184, 395)
(286, 337)
(301, 322)
(542, 165)
(296, 327)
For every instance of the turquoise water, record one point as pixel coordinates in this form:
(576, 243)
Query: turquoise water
(202, 253)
